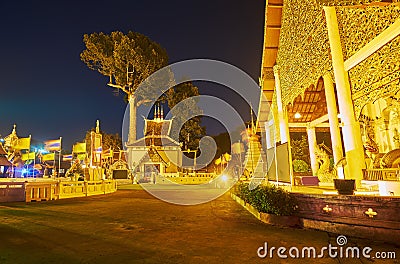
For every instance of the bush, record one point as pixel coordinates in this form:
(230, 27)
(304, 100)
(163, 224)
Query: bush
(268, 199)
(300, 166)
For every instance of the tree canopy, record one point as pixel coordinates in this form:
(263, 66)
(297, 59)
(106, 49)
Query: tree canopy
(191, 128)
(126, 59)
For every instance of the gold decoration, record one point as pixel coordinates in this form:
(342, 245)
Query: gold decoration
(304, 54)
(378, 75)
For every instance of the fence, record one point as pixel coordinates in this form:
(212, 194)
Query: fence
(52, 190)
(382, 174)
(186, 178)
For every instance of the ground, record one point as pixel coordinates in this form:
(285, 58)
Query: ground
(131, 226)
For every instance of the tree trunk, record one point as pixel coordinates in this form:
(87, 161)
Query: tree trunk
(132, 119)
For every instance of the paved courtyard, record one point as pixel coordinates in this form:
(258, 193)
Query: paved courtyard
(131, 226)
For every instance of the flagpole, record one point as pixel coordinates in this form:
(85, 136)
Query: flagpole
(59, 159)
(34, 162)
(54, 164)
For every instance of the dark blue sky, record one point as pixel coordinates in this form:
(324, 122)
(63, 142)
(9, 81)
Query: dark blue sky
(48, 92)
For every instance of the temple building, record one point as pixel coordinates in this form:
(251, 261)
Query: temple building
(334, 66)
(156, 152)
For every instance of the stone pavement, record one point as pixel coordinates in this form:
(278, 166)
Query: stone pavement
(131, 226)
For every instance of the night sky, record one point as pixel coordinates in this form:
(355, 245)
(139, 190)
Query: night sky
(48, 92)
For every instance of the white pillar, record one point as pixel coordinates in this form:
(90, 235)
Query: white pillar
(132, 119)
(283, 124)
(268, 139)
(333, 118)
(312, 144)
(283, 121)
(351, 128)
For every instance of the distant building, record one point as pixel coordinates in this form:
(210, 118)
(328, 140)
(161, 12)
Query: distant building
(156, 152)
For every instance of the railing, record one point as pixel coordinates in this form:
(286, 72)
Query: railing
(86, 188)
(186, 178)
(391, 174)
(52, 190)
(41, 191)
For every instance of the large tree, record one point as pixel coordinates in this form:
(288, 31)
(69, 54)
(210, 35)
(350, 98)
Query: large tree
(127, 60)
(191, 131)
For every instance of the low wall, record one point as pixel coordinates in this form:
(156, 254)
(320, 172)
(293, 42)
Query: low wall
(375, 218)
(12, 191)
(183, 180)
(52, 190)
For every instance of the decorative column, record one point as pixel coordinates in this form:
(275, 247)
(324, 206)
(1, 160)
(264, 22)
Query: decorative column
(283, 124)
(132, 119)
(268, 139)
(283, 120)
(333, 118)
(312, 145)
(351, 128)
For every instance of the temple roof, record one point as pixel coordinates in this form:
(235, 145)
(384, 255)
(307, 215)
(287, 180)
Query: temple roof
(162, 141)
(4, 161)
(2, 151)
(12, 138)
(157, 127)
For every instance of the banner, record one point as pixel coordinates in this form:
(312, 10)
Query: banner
(28, 156)
(48, 157)
(108, 153)
(81, 156)
(99, 149)
(23, 143)
(79, 148)
(52, 145)
(67, 157)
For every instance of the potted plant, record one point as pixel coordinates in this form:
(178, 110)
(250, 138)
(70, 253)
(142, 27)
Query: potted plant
(345, 186)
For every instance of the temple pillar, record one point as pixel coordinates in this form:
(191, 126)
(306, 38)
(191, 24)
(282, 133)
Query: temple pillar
(283, 120)
(132, 119)
(283, 123)
(333, 118)
(351, 128)
(312, 145)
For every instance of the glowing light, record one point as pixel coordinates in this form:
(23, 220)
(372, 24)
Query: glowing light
(297, 115)
(224, 178)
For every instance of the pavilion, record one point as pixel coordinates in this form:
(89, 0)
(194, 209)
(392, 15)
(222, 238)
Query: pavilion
(333, 65)
(155, 153)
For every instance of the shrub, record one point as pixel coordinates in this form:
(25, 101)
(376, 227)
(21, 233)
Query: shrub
(300, 166)
(268, 199)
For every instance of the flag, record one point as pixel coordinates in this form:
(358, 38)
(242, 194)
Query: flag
(52, 145)
(23, 143)
(108, 153)
(217, 161)
(99, 150)
(79, 148)
(48, 157)
(81, 156)
(67, 157)
(28, 156)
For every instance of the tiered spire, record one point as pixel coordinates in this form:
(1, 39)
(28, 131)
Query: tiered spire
(158, 113)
